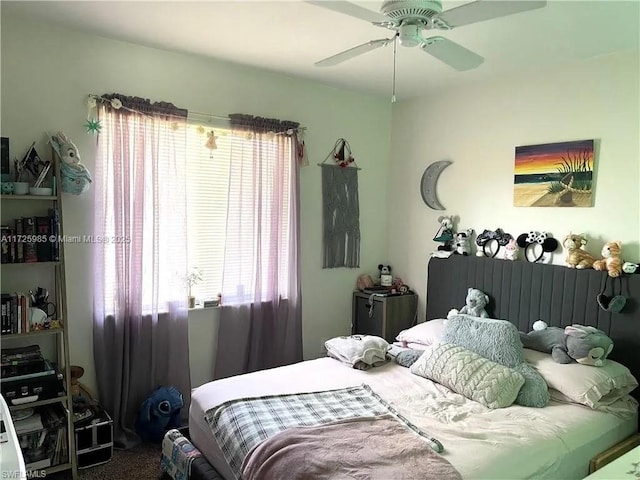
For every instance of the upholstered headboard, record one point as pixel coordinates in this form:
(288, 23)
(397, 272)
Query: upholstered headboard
(523, 292)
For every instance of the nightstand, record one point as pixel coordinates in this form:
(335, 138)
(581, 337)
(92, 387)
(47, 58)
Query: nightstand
(620, 461)
(383, 315)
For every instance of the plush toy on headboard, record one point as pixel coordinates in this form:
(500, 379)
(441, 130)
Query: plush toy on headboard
(610, 261)
(576, 343)
(462, 242)
(475, 302)
(445, 233)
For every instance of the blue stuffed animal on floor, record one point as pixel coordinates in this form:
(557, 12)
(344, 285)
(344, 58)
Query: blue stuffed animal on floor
(159, 412)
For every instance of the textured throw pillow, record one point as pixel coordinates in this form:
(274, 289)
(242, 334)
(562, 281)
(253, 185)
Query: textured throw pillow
(499, 341)
(469, 374)
(408, 357)
(591, 386)
(425, 333)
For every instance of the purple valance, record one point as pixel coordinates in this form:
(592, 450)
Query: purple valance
(240, 121)
(144, 105)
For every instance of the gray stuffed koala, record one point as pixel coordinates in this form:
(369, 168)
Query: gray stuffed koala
(577, 343)
(475, 303)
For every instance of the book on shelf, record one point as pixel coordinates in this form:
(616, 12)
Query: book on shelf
(30, 252)
(21, 355)
(5, 237)
(29, 239)
(14, 313)
(19, 246)
(5, 300)
(54, 217)
(43, 229)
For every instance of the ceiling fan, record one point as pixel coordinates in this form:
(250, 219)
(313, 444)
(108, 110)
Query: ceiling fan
(408, 18)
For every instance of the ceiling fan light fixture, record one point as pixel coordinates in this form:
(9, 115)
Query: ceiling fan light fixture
(410, 35)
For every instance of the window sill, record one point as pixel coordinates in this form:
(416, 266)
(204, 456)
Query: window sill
(200, 307)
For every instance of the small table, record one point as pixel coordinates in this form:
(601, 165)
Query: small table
(626, 467)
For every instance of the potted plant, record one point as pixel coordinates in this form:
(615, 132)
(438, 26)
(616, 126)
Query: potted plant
(193, 278)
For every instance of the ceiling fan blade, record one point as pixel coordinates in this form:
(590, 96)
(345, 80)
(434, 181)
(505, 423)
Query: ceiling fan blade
(351, 9)
(353, 52)
(451, 53)
(482, 10)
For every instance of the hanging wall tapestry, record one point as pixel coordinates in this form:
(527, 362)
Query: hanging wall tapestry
(340, 208)
(554, 175)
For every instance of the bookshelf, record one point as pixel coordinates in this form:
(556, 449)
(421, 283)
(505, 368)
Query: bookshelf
(47, 270)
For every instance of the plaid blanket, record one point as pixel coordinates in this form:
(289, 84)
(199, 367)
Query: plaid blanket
(240, 425)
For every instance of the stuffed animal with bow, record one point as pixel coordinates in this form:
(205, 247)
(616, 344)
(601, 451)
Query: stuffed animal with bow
(445, 233)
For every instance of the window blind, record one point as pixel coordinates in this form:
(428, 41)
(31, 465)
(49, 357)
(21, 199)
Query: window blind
(210, 212)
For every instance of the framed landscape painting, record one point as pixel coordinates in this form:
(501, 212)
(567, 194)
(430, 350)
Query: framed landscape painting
(554, 175)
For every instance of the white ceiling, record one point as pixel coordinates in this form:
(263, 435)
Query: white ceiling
(289, 36)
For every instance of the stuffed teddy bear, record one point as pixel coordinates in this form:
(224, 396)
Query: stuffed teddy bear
(462, 242)
(576, 343)
(445, 233)
(475, 302)
(611, 261)
(577, 257)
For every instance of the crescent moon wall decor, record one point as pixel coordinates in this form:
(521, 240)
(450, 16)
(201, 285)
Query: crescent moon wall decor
(429, 182)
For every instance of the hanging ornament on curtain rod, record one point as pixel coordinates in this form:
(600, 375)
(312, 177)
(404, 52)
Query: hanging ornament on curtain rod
(93, 124)
(211, 142)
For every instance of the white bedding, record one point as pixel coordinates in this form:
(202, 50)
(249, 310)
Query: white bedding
(517, 442)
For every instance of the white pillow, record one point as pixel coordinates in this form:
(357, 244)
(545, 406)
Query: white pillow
(426, 333)
(467, 373)
(594, 387)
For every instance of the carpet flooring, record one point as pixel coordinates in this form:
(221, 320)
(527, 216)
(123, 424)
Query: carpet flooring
(141, 462)
(138, 463)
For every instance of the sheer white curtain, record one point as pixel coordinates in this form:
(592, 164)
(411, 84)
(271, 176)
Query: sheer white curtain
(260, 321)
(140, 291)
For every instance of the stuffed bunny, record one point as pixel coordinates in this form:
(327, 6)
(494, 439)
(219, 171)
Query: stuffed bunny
(577, 343)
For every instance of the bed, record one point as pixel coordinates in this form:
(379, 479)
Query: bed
(515, 442)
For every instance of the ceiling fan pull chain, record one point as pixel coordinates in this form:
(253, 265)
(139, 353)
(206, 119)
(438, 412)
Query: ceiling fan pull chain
(393, 84)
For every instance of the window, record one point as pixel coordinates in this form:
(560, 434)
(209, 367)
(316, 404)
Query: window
(208, 205)
(139, 221)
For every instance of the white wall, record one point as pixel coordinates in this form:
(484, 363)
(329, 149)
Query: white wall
(477, 127)
(47, 73)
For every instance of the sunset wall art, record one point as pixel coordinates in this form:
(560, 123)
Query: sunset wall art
(554, 175)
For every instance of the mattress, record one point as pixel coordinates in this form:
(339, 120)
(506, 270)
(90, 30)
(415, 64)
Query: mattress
(515, 442)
